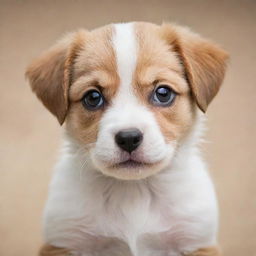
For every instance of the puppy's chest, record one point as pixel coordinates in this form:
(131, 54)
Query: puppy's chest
(142, 222)
(141, 217)
(131, 218)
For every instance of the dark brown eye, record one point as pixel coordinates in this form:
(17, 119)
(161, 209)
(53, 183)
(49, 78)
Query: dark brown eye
(93, 100)
(163, 96)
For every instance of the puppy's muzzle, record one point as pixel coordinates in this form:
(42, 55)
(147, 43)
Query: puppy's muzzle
(129, 139)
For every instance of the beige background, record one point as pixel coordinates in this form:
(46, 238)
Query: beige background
(30, 136)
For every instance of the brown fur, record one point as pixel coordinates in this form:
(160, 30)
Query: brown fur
(94, 246)
(50, 74)
(210, 251)
(95, 68)
(87, 60)
(204, 62)
(49, 250)
(158, 64)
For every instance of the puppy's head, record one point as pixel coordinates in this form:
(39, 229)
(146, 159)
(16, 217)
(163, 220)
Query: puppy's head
(129, 92)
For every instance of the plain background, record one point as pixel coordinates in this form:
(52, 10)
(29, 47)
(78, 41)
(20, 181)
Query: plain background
(30, 136)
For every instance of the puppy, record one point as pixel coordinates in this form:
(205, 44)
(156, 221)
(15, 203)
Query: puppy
(130, 179)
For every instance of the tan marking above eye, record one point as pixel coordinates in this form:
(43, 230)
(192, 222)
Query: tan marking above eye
(99, 80)
(148, 77)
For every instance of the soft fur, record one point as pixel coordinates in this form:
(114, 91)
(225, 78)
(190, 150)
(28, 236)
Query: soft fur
(166, 205)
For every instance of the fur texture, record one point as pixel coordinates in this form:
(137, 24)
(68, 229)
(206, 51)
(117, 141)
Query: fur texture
(49, 250)
(164, 205)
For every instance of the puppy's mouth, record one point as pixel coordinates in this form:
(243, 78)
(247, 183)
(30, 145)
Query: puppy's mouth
(130, 164)
(131, 167)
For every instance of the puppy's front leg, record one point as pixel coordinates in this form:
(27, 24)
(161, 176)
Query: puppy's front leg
(50, 250)
(210, 251)
(118, 249)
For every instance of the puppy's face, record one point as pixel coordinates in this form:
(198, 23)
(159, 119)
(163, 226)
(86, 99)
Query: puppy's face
(128, 92)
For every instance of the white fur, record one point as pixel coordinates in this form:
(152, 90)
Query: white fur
(165, 214)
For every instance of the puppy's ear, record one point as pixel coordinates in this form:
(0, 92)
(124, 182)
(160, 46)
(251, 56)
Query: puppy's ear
(50, 75)
(203, 61)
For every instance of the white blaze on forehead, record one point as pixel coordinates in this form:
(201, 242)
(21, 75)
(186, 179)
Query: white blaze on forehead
(127, 110)
(125, 47)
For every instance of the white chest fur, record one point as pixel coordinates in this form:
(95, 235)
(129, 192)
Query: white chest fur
(169, 213)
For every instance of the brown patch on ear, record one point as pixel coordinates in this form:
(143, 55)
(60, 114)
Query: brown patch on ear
(49, 250)
(210, 251)
(204, 62)
(50, 75)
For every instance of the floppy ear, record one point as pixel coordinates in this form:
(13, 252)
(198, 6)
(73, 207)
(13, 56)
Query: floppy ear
(50, 74)
(203, 61)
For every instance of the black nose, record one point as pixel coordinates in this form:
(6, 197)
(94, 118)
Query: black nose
(129, 139)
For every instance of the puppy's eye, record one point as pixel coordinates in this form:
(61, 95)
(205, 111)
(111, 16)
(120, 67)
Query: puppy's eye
(163, 96)
(93, 100)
